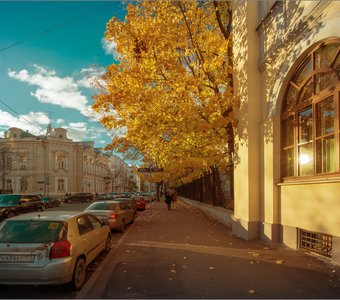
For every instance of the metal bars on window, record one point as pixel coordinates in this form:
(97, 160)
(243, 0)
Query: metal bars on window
(315, 242)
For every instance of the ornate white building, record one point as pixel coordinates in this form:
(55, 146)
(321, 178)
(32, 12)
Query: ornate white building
(53, 164)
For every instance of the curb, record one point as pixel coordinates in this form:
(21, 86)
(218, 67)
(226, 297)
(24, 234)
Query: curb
(104, 268)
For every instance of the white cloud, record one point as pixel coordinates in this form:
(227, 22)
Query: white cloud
(34, 122)
(110, 48)
(61, 91)
(90, 75)
(76, 131)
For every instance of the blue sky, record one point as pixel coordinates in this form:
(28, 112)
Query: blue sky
(49, 53)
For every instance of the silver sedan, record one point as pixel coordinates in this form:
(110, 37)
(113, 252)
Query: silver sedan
(51, 247)
(114, 213)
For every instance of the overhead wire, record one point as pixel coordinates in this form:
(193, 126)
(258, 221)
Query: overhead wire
(21, 117)
(51, 29)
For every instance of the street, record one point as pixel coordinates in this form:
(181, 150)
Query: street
(183, 253)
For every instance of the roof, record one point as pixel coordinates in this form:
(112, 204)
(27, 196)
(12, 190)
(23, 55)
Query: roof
(48, 215)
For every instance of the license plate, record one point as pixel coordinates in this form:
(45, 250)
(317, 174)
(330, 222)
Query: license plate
(14, 258)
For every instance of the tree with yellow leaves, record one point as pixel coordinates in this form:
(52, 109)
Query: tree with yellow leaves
(170, 96)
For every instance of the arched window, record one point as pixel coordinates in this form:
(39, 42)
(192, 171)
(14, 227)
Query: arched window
(310, 115)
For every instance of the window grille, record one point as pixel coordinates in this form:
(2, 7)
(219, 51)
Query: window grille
(315, 242)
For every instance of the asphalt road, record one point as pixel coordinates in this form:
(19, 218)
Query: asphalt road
(61, 291)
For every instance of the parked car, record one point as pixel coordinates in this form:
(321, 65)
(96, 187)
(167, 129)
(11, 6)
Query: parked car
(14, 204)
(139, 201)
(128, 200)
(51, 201)
(114, 213)
(76, 197)
(52, 247)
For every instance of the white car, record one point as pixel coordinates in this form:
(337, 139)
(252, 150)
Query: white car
(51, 247)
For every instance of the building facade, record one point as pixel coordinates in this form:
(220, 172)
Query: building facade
(52, 164)
(287, 161)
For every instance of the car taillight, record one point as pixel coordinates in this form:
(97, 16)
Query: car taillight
(113, 216)
(61, 249)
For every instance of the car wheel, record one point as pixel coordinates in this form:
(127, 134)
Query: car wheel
(40, 209)
(79, 274)
(108, 243)
(122, 226)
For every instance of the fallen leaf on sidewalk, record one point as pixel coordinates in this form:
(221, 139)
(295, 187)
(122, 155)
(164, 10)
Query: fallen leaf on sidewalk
(251, 262)
(279, 262)
(184, 257)
(256, 254)
(211, 268)
(252, 292)
(173, 271)
(184, 267)
(266, 248)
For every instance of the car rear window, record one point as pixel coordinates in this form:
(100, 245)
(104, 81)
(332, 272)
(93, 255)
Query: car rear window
(103, 206)
(32, 231)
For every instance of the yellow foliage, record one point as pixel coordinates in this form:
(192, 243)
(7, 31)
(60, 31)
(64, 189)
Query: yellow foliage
(171, 91)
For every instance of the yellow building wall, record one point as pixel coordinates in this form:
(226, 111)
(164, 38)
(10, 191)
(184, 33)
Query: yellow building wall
(311, 206)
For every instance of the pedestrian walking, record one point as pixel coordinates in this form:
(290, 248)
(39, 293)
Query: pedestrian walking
(174, 196)
(168, 199)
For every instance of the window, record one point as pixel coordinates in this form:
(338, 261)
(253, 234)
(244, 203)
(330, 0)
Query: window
(23, 163)
(61, 161)
(23, 184)
(84, 225)
(9, 184)
(310, 115)
(61, 185)
(95, 222)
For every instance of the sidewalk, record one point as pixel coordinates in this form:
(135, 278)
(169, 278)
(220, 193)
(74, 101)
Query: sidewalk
(185, 254)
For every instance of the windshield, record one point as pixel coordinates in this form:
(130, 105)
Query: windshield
(26, 231)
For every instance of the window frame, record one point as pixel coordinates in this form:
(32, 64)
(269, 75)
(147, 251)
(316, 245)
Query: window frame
(294, 104)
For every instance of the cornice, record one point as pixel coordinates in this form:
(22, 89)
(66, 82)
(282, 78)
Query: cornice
(293, 35)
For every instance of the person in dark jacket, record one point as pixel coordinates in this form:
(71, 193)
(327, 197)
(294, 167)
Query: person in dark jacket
(168, 199)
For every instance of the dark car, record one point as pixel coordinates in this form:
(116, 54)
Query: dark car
(79, 197)
(15, 204)
(51, 201)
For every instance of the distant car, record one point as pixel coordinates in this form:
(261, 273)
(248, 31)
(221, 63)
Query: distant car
(114, 213)
(14, 204)
(79, 197)
(52, 247)
(140, 202)
(102, 197)
(51, 201)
